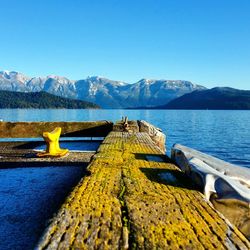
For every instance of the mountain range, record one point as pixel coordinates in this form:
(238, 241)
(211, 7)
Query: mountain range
(102, 91)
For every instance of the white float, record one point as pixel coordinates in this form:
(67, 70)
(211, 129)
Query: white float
(214, 175)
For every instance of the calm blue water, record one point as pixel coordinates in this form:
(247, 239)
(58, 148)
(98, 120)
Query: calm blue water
(224, 134)
(28, 198)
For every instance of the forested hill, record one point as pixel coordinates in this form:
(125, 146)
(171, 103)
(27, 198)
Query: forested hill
(41, 100)
(216, 98)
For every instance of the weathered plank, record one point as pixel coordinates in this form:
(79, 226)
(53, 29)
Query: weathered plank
(133, 198)
(72, 129)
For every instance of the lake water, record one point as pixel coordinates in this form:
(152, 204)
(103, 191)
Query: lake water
(221, 133)
(28, 199)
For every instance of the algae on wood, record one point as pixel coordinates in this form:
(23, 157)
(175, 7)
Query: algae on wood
(133, 200)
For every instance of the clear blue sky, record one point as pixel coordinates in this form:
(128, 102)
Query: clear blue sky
(206, 42)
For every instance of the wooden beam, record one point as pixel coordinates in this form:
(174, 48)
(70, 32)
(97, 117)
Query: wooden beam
(69, 129)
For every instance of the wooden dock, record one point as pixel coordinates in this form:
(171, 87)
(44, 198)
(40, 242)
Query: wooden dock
(135, 198)
(21, 153)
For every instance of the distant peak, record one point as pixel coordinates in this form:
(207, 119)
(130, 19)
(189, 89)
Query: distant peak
(97, 78)
(14, 75)
(5, 72)
(8, 72)
(60, 79)
(56, 77)
(147, 81)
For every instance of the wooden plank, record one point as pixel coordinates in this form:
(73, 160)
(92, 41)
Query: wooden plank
(70, 129)
(27, 158)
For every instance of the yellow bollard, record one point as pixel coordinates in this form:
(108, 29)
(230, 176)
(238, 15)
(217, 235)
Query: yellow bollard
(52, 144)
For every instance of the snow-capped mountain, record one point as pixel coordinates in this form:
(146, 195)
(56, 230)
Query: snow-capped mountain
(13, 81)
(104, 92)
